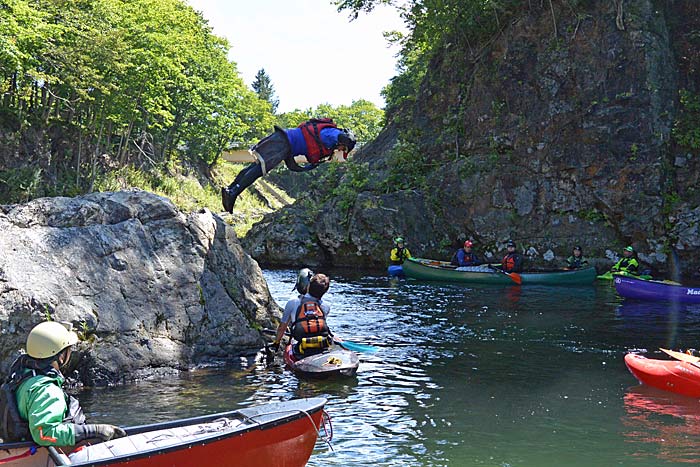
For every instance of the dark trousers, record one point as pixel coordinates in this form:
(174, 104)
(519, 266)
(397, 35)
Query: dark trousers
(273, 149)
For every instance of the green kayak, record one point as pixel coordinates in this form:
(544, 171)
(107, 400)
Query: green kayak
(608, 276)
(431, 270)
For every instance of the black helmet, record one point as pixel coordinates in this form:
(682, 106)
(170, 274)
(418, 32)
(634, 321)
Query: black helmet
(347, 138)
(303, 280)
(510, 243)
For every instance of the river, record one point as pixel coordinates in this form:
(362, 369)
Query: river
(464, 376)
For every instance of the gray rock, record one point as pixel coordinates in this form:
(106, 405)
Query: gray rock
(152, 289)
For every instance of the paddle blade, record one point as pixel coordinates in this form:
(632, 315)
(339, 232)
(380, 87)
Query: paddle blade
(515, 277)
(684, 357)
(357, 347)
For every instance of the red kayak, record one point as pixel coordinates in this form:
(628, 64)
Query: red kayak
(669, 375)
(279, 434)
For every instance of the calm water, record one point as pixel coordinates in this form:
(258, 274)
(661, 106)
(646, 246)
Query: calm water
(465, 376)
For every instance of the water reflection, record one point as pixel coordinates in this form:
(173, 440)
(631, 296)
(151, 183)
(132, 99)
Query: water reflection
(662, 425)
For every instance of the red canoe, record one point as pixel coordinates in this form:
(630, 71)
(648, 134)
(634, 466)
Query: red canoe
(278, 434)
(669, 375)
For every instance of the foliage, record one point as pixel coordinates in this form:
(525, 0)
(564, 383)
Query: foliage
(407, 169)
(686, 130)
(339, 183)
(263, 87)
(432, 24)
(142, 81)
(362, 117)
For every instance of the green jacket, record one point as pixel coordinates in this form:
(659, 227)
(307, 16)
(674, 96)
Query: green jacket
(42, 402)
(629, 265)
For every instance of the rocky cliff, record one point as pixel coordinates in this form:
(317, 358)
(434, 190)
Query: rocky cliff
(149, 288)
(557, 131)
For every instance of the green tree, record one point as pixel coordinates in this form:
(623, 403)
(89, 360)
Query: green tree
(263, 87)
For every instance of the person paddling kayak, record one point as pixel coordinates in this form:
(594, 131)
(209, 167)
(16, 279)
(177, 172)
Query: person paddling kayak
(306, 316)
(512, 261)
(628, 263)
(576, 260)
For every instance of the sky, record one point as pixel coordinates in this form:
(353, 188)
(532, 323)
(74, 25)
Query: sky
(312, 54)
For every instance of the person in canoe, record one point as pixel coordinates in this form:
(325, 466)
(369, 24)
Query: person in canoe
(317, 139)
(465, 256)
(399, 253)
(306, 316)
(37, 408)
(512, 261)
(628, 263)
(576, 260)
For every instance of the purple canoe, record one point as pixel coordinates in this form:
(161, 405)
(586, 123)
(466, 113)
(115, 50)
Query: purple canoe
(632, 287)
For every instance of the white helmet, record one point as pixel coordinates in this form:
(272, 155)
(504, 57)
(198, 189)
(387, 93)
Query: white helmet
(47, 339)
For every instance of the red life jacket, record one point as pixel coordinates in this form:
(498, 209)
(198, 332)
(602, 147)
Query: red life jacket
(309, 320)
(508, 263)
(311, 129)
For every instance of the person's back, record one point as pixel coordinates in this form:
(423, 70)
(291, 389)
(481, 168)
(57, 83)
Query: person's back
(309, 328)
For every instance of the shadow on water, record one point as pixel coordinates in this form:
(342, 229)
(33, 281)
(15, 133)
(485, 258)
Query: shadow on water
(464, 376)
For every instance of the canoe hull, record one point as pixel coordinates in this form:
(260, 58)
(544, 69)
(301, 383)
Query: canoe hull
(277, 434)
(335, 362)
(631, 287)
(429, 270)
(668, 375)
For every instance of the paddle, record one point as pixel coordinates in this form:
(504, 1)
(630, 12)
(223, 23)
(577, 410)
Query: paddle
(349, 345)
(684, 357)
(356, 346)
(514, 276)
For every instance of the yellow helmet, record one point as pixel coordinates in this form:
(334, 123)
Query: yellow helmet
(49, 338)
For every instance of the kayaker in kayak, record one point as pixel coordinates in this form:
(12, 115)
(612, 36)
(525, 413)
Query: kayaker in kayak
(306, 317)
(37, 408)
(576, 260)
(465, 256)
(628, 263)
(399, 253)
(317, 139)
(512, 261)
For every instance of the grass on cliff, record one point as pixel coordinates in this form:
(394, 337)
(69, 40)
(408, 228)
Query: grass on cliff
(189, 194)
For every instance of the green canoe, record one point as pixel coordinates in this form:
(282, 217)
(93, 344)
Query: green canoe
(431, 270)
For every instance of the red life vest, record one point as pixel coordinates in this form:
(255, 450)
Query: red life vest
(508, 263)
(309, 320)
(311, 129)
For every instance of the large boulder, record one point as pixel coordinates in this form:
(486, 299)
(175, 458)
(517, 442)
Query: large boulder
(150, 289)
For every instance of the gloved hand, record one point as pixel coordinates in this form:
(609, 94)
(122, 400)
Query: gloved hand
(275, 346)
(100, 431)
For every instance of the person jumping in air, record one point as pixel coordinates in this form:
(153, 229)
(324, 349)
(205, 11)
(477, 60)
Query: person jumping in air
(317, 139)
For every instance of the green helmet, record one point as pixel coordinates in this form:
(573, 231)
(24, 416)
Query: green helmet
(398, 240)
(303, 280)
(629, 248)
(47, 339)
